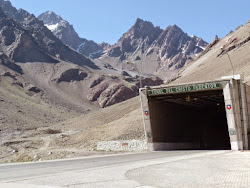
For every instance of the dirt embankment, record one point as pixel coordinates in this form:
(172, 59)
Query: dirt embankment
(215, 63)
(74, 137)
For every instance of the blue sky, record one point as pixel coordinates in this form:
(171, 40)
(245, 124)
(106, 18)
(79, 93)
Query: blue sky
(107, 20)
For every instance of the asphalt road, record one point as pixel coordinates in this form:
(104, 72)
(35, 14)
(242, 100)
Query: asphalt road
(13, 172)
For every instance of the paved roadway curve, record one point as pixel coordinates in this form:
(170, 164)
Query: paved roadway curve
(22, 171)
(175, 169)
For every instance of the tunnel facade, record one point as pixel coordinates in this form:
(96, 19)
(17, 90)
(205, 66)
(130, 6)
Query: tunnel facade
(208, 115)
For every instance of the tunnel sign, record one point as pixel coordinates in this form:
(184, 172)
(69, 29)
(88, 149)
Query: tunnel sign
(180, 89)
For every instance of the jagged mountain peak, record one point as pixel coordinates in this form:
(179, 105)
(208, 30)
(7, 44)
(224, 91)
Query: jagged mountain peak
(168, 50)
(216, 37)
(6, 2)
(63, 30)
(138, 38)
(18, 15)
(8, 8)
(140, 21)
(175, 28)
(141, 29)
(50, 18)
(22, 11)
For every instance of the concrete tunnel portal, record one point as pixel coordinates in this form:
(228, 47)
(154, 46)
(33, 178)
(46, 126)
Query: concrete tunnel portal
(190, 120)
(207, 115)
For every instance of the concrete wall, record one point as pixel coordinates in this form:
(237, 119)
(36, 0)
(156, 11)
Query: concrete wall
(231, 97)
(235, 94)
(146, 116)
(122, 145)
(247, 128)
(244, 113)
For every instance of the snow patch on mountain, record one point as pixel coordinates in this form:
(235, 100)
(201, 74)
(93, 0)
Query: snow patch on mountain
(80, 47)
(203, 48)
(52, 27)
(93, 55)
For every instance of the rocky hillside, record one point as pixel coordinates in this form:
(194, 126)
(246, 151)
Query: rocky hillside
(66, 33)
(214, 62)
(64, 76)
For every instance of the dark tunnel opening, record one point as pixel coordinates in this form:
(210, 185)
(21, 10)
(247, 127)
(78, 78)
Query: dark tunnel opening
(194, 120)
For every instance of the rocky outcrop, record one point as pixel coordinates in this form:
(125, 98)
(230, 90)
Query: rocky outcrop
(95, 92)
(209, 46)
(72, 75)
(115, 94)
(32, 88)
(7, 63)
(152, 81)
(97, 81)
(124, 73)
(108, 92)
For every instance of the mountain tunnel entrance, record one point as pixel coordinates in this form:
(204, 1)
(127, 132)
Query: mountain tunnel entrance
(202, 115)
(194, 120)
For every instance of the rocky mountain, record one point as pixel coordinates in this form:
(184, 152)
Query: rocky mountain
(66, 33)
(157, 51)
(26, 39)
(60, 75)
(137, 39)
